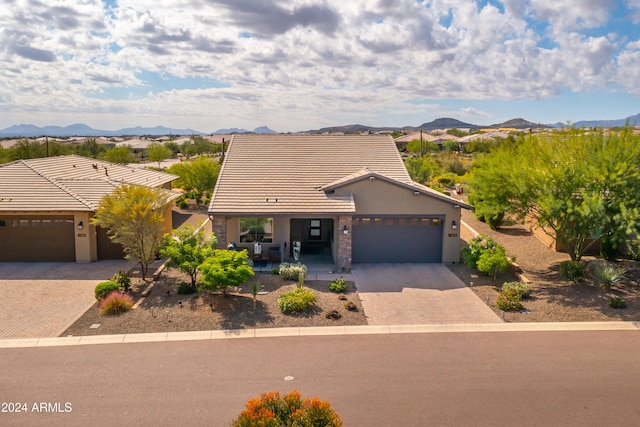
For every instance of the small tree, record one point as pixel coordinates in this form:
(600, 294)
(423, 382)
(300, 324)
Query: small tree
(158, 152)
(198, 176)
(493, 261)
(187, 250)
(121, 154)
(134, 217)
(224, 269)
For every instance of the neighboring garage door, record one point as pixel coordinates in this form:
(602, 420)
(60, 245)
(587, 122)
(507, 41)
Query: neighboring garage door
(396, 240)
(37, 238)
(106, 248)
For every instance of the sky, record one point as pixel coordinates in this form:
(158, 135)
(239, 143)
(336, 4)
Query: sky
(306, 64)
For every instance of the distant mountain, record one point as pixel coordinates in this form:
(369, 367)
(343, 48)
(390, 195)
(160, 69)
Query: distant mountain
(516, 123)
(446, 123)
(632, 120)
(263, 129)
(229, 131)
(29, 131)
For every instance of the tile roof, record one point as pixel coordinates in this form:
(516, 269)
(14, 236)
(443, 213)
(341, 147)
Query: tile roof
(67, 183)
(280, 174)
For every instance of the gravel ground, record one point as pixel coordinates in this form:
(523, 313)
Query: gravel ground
(161, 311)
(553, 298)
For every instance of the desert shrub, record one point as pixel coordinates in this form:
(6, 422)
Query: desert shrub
(115, 303)
(493, 260)
(275, 271)
(477, 246)
(342, 297)
(181, 202)
(338, 285)
(122, 279)
(296, 300)
(333, 314)
(185, 289)
(350, 305)
(522, 289)
(617, 302)
(273, 410)
(572, 270)
(292, 271)
(509, 300)
(633, 249)
(105, 288)
(607, 274)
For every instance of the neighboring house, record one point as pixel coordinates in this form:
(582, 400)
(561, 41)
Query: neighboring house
(402, 141)
(46, 206)
(350, 197)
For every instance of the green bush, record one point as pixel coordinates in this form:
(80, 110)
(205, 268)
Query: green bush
(338, 285)
(607, 274)
(186, 289)
(296, 300)
(122, 279)
(105, 288)
(292, 271)
(492, 261)
(477, 246)
(115, 303)
(509, 300)
(572, 270)
(521, 288)
(275, 271)
(617, 302)
(181, 202)
(633, 249)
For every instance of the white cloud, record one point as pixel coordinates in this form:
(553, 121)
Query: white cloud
(315, 60)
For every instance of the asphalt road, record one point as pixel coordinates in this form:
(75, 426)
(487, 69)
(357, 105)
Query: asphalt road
(437, 379)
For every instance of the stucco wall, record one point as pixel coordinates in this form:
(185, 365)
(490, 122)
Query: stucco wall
(378, 197)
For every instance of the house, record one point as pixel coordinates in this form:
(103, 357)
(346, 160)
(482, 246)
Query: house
(349, 197)
(46, 206)
(439, 140)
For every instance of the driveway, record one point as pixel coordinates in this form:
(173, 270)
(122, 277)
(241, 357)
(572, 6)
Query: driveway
(42, 299)
(414, 294)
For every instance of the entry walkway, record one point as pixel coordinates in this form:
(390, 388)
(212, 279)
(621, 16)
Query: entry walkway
(415, 294)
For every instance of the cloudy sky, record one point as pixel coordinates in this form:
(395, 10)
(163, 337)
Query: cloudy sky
(305, 64)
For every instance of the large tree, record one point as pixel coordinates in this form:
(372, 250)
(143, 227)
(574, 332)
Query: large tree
(134, 217)
(188, 249)
(576, 185)
(198, 176)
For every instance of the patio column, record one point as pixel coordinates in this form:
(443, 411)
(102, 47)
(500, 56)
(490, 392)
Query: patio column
(219, 228)
(344, 242)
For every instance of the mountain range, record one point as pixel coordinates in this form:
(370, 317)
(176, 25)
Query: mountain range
(441, 123)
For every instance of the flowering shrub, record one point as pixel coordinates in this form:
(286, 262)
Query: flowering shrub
(333, 314)
(292, 271)
(296, 300)
(115, 303)
(351, 306)
(273, 410)
(122, 279)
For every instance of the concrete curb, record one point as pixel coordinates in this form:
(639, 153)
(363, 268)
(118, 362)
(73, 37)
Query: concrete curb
(320, 331)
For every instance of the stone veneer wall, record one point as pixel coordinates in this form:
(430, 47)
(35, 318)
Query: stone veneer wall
(219, 228)
(344, 242)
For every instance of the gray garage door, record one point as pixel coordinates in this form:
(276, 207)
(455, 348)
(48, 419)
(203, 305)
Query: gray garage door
(396, 240)
(37, 238)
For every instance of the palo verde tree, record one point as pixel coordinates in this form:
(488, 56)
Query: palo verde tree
(187, 249)
(134, 217)
(224, 269)
(578, 186)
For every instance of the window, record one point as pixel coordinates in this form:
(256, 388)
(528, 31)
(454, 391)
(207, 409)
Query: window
(315, 232)
(256, 230)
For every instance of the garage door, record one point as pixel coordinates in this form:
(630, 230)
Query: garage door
(106, 248)
(37, 238)
(396, 240)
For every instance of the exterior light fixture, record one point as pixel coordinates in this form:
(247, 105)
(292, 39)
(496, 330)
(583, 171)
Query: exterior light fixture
(415, 193)
(80, 225)
(454, 225)
(345, 230)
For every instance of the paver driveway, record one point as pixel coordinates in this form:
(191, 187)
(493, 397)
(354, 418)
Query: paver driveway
(414, 294)
(42, 299)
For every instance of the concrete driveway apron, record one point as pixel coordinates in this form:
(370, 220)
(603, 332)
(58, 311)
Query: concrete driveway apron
(415, 294)
(42, 299)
